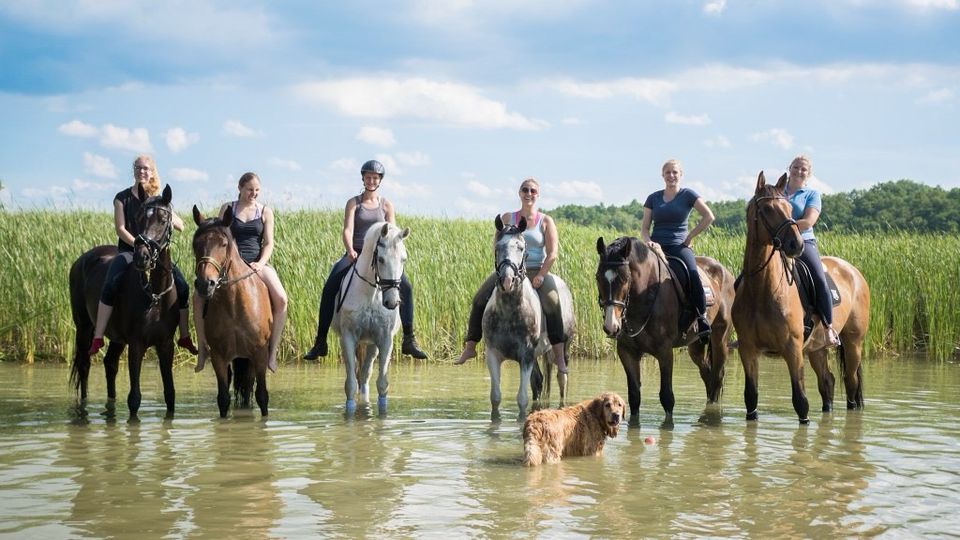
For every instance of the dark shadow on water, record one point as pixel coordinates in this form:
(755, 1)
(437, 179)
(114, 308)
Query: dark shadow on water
(712, 416)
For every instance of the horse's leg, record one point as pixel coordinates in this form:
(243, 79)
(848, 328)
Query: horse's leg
(348, 347)
(382, 382)
(111, 366)
(667, 400)
(850, 353)
(165, 359)
(134, 364)
(631, 368)
(750, 358)
(263, 398)
(221, 369)
(698, 354)
(366, 368)
(562, 377)
(494, 361)
(793, 354)
(825, 380)
(526, 370)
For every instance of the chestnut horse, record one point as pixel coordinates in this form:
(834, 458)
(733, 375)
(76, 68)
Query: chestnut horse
(146, 312)
(768, 313)
(642, 303)
(236, 313)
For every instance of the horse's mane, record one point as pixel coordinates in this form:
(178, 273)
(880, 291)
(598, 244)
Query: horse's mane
(637, 248)
(209, 223)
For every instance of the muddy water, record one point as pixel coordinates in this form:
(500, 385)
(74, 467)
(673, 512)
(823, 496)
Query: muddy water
(436, 466)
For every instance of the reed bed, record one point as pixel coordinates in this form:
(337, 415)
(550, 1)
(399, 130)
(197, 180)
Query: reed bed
(913, 279)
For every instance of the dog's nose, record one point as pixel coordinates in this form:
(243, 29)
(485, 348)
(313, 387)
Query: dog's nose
(615, 418)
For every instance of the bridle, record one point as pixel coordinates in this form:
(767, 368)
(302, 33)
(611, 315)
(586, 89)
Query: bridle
(519, 270)
(775, 242)
(381, 283)
(154, 249)
(222, 268)
(610, 301)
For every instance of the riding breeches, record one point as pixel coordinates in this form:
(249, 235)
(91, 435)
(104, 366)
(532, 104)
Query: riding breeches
(549, 303)
(118, 267)
(684, 253)
(811, 256)
(328, 298)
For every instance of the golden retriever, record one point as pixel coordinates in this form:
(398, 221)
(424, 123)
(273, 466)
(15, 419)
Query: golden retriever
(577, 430)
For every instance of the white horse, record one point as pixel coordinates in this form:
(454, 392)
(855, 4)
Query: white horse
(513, 323)
(367, 310)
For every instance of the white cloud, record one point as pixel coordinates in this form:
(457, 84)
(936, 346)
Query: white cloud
(936, 97)
(688, 120)
(178, 139)
(717, 142)
(776, 136)
(413, 159)
(575, 191)
(83, 185)
(183, 174)
(653, 91)
(135, 140)
(288, 164)
(927, 5)
(76, 128)
(346, 165)
(414, 97)
(99, 165)
(476, 209)
(714, 7)
(378, 136)
(235, 128)
(479, 189)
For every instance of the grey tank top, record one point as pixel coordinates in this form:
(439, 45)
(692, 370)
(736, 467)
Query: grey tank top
(363, 219)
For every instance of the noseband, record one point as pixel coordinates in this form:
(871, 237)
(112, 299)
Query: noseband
(611, 302)
(519, 271)
(222, 269)
(154, 247)
(378, 282)
(775, 242)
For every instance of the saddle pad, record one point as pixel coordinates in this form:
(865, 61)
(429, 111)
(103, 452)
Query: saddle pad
(680, 271)
(806, 289)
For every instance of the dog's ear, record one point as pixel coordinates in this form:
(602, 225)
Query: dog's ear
(596, 410)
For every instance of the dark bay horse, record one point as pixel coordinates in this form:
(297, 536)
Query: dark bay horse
(642, 303)
(514, 326)
(146, 312)
(236, 315)
(768, 313)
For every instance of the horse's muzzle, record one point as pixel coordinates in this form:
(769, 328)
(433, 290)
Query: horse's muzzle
(205, 287)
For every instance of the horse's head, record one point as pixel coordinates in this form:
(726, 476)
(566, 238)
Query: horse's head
(613, 281)
(212, 246)
(155, 222)
(770, 218)
(510, 249)
(389, 256)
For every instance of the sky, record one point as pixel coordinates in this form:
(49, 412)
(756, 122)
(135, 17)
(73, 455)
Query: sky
(461, 100)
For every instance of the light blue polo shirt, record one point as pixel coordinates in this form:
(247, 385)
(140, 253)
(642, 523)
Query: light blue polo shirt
(800, 200)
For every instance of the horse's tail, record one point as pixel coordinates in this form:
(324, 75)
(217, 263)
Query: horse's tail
(80, 367)
(243, 379)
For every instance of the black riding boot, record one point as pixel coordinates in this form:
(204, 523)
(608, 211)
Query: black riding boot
(319, 349)
(411, 348)
(703, 328)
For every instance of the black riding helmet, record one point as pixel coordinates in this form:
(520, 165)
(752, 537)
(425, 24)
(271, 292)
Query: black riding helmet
(373, 166)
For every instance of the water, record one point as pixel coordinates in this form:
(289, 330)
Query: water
(436, 466)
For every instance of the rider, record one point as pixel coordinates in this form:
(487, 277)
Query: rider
(252, 229)
(126, 206)
(360, 213)
(542, 246)
(806, 205)
(668, 210)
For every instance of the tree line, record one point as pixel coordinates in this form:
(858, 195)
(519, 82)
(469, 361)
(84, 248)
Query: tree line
(900, 205)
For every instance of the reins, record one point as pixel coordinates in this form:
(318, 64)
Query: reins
(624, 305)
(155, 249)
(775, 243)
(379, 283)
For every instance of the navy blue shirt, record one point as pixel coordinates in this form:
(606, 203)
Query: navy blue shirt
(669, 227)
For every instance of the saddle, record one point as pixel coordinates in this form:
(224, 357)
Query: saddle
(688, 313)
(808, 294)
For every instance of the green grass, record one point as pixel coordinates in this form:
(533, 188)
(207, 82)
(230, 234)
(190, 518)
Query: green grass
(913, 278)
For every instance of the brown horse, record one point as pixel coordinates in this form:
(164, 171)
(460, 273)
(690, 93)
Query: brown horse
(236, 315)
(146, 312)
(643, 302)
(768, 314)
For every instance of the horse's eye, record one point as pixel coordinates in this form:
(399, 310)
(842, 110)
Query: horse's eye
(380, 260)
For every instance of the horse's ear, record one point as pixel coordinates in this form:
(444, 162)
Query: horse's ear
(385, 230)
(522, 226)
(142, 195)
(782, 182)
(761, 182)
(625, 250)
(405, 232)
(227, 218)
(167, 195)
(601, 249)
(498, 222)
(197, 216)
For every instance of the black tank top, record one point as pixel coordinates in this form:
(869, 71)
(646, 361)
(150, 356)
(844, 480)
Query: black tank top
(131, 207)
(248, 234)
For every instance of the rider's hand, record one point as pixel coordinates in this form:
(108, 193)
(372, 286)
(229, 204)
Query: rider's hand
(537, 281)
(256, 266)
(352, 255)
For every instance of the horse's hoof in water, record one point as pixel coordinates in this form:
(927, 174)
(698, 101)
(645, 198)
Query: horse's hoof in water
(827, 408)
(634, 421)
(804, 421)
(752, 415)
(382, 402)
(350, 405)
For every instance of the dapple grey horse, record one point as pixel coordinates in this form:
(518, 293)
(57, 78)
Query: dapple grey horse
(367, 311)
(513, 321)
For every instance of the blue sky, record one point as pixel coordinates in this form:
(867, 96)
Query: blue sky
(462, 99)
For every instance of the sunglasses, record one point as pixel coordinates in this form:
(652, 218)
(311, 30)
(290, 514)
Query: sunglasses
(530, 190)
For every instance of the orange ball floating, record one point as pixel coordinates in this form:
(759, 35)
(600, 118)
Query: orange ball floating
(649, 440)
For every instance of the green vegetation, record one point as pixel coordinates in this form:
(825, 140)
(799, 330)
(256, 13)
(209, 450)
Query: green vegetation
(913, 279)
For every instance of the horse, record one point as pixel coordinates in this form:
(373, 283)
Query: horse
(514, 325)
(146, 312)
(367, 311)
(643, 302)
(768, 314)
(236, 313)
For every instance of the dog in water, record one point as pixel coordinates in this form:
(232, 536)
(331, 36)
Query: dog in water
(577, 430)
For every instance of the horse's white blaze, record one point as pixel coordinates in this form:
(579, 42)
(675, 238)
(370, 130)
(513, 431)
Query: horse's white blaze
(611, 323)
